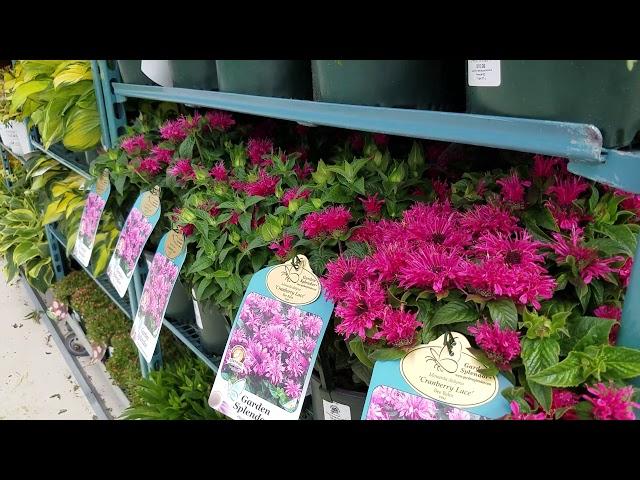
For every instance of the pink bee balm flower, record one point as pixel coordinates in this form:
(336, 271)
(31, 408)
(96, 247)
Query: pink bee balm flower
(430, 267)
(191, 123)
(293, 193)
(360, 308)
(544, 167)
(264, 186)
(282, 249)
(611, 403)
(371, 204)
(516, 415)
(562, 398)
(435, 223)
(221, 121)
(150, 165)
(342, 276)
(134, 145)
(631, 203)
(565, 218)
(182, 170)
(489, 219)
(162, 155)
(219, 172)
(513, 188)
(500, 345)
(330, 220)
(442, 189)
(257, 148)
(625, 272)
(356, 140)
(589, 262)
(398, 327)
(380, 139)
(388, 260)
(303, 172)
(188, 229)
(567, 189)
(234, 219)
(173, 131)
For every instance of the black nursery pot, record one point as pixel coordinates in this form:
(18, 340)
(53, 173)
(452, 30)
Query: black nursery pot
(354, 400)
(603, 93)
(422, 84)
(215, 328)
(131, 72)
(195, 74)
(268, 78)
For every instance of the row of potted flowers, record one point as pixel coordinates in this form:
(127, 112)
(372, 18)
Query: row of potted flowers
(412, 239)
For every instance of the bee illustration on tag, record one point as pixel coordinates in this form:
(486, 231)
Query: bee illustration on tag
(446, 357)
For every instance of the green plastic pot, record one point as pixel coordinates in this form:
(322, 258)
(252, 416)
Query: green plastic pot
(423, 84)
(268, 78)
(604, 93)
(352, 399)
(195, 74)
(213, 327)
(131, 73)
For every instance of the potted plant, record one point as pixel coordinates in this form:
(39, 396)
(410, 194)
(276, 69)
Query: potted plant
(267, 78)
(598, 92)
(423, 84)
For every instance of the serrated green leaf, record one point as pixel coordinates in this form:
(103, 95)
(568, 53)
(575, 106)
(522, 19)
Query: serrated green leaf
(504, 313)
(454, 312)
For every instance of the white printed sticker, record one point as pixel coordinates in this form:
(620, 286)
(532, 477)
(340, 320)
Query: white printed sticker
(483, 73)
(336, 411)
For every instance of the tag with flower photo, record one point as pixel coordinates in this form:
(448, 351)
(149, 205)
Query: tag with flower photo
(267, 363)
(441, 380)
(140, 223)
(93, 208)
(162, 276)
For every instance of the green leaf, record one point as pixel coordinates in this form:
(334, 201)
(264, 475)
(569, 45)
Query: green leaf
(584, 294)
(245, 222)
(621, 234)
(200, 264)
(593, 199)
(620, 362)
(570, 372)
(504, 313)
(186, 147)
(387, 354)
(454, 312)
(357, 348)
(586, 331)
(537, 355)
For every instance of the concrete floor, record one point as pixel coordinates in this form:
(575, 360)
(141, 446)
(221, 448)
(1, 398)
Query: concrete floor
(35, 382)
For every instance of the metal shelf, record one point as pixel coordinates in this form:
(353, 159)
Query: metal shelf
(102, 281)
(58, 153)
(9, 151)
(188, 335)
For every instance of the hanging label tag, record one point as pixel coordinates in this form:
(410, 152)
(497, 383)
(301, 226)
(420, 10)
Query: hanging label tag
(141, 221)
(483, 73)
(162, 276)
(293, 282)
(336, 411)
(438, 382)
(93, 208)
(267, 363)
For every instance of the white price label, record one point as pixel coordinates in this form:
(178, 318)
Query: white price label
(336, 411)
(483, 73)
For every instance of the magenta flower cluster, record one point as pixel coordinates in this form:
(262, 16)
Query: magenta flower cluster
(91, 217)
(132, 239)
(279, 341)
(157, 290)
(390, 404)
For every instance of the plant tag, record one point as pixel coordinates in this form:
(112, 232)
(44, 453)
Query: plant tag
(268, 360)
(442, 381)
(294, 282)
(162, 276)
(336, 411)
(93, 208)
(141, 221)
(483, 73)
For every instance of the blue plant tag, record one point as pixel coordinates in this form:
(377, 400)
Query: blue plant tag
(141, 221)
(436, 381)
(162, 276)
(93, 208)
(267, 363)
